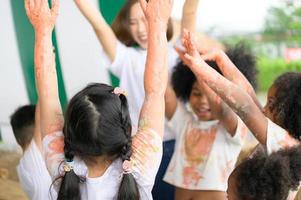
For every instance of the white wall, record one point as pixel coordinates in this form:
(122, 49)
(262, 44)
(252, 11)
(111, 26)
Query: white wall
(12, 85)
(79, 49)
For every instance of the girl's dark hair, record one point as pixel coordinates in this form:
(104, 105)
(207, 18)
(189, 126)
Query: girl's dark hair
(183, 78)
(287, 103)
(121, 25)
(269, 177)
(97, 123)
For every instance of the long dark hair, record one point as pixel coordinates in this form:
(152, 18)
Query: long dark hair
(97, 123)
(121, 25)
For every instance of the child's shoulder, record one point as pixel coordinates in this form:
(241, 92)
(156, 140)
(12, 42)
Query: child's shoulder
(278, 138)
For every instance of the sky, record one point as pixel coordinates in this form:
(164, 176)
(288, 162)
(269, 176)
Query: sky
(229, 16)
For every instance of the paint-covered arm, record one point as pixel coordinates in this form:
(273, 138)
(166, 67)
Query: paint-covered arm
(236, 98)
(220, 109)
(155, 76)
(103, 31)
(37, 128)
(171, 101)
(43, 19)
(230, 71)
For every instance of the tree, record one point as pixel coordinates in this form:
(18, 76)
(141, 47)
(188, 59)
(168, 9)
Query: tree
(283, 24)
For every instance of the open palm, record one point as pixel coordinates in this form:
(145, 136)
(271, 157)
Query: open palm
(40, 15)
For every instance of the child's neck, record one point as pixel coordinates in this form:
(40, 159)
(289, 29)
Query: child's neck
(97, 166)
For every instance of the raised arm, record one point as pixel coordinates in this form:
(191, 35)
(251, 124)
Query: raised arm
(237, 98)
(218, 107)
(43, 19)
(189, 15)
(188, 22)
(155, 77)
(230, 71)
(103, 31)
(171, 101)
(37, 128)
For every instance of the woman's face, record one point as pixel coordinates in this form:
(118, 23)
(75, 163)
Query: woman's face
(138, 25)
(199, 103)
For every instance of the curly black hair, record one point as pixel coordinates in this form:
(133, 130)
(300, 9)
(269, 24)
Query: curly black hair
(287, 105)
(183, 78)
(269, 177)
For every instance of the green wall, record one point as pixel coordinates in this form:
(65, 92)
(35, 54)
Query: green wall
(25, 41)
(109, 9)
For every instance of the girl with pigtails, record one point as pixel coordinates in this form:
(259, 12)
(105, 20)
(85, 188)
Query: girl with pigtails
(91, 154)
(124, 47)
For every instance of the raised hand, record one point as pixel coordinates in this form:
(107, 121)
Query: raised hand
(43, 20)
(157, 11)
(40, 15)
(191, 57)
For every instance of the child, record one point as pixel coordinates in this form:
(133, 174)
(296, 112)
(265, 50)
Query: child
(209, 135)
(23, 125)
(267, 177)
(94, 154)
(125, 47)
(278, 125)
(32, 172)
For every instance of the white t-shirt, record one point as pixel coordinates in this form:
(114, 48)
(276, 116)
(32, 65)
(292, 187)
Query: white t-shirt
(278, 138)
(145, 161)
(205, 153)
(33, 174)
(128, 66)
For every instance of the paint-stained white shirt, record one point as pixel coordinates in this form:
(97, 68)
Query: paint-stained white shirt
(145, 161)
(205, 153)
(33, 174)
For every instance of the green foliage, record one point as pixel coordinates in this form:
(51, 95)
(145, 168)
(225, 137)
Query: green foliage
(270, 69)
(283, 24)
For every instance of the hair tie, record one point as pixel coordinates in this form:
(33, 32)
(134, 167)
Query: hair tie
(118, 91)
(127, 167)
(68, 166)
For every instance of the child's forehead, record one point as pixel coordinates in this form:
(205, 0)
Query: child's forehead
(196, 86)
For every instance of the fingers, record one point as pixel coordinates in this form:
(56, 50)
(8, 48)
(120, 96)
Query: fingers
(214, 55)
(37, 3)
(143, 5)
(192, 44)
(211, 56)
(182, 56)
(30, 4)
(188, 42)
(27, 6)
(179, 51)
(55, 7)
(188, 57)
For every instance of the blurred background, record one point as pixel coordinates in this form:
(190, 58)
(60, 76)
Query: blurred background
(270, 28)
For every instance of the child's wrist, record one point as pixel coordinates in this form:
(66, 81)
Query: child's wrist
(158, 25)
(43, 32)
